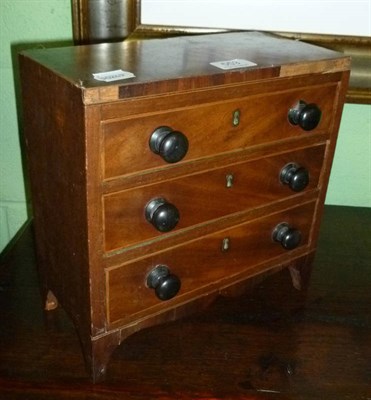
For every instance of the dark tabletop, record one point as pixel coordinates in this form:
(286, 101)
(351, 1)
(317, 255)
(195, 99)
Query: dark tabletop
(274, 342)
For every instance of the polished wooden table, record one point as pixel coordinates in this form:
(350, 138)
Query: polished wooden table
(273, 342)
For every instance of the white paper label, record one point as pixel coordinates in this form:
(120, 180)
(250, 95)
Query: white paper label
(233, 64)
(111, 76)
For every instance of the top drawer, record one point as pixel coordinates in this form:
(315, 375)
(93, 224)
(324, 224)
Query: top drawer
(212, 128)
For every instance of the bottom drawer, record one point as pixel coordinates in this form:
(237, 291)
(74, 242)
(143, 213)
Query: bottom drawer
(205, 264)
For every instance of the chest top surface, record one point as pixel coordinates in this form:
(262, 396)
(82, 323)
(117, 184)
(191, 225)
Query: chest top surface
(184, 63)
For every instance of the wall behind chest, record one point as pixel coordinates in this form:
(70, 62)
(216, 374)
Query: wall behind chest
(24, 24)
(34, 23)
(350, 179)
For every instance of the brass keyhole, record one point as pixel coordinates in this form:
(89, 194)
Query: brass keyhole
(236, 117)
(229, 179)
(226, 243)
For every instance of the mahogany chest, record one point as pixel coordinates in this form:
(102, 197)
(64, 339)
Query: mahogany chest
(191, 165)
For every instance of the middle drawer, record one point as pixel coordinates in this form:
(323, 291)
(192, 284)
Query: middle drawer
(206, 196)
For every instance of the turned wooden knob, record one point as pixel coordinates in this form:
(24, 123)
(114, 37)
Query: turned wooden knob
(165, 284)
(296, 177)
(307, 116)
(163, 215)
(171, 145)
(288, 236)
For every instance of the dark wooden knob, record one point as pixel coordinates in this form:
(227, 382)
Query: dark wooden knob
(171, 145)
(307, 116)
(296, 177)
(289, 237)
(165, 284)
(163, 215)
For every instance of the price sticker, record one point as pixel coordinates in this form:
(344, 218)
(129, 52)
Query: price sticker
(233, 64)
(111, 76)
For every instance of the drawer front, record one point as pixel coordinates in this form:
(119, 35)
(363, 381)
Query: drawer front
(205, 196)
(211, 129)
(206, 264)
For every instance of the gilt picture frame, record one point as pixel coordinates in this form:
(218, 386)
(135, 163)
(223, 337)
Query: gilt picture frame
(89, 23)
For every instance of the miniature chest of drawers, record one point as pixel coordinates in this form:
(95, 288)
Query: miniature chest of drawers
(204, 164)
